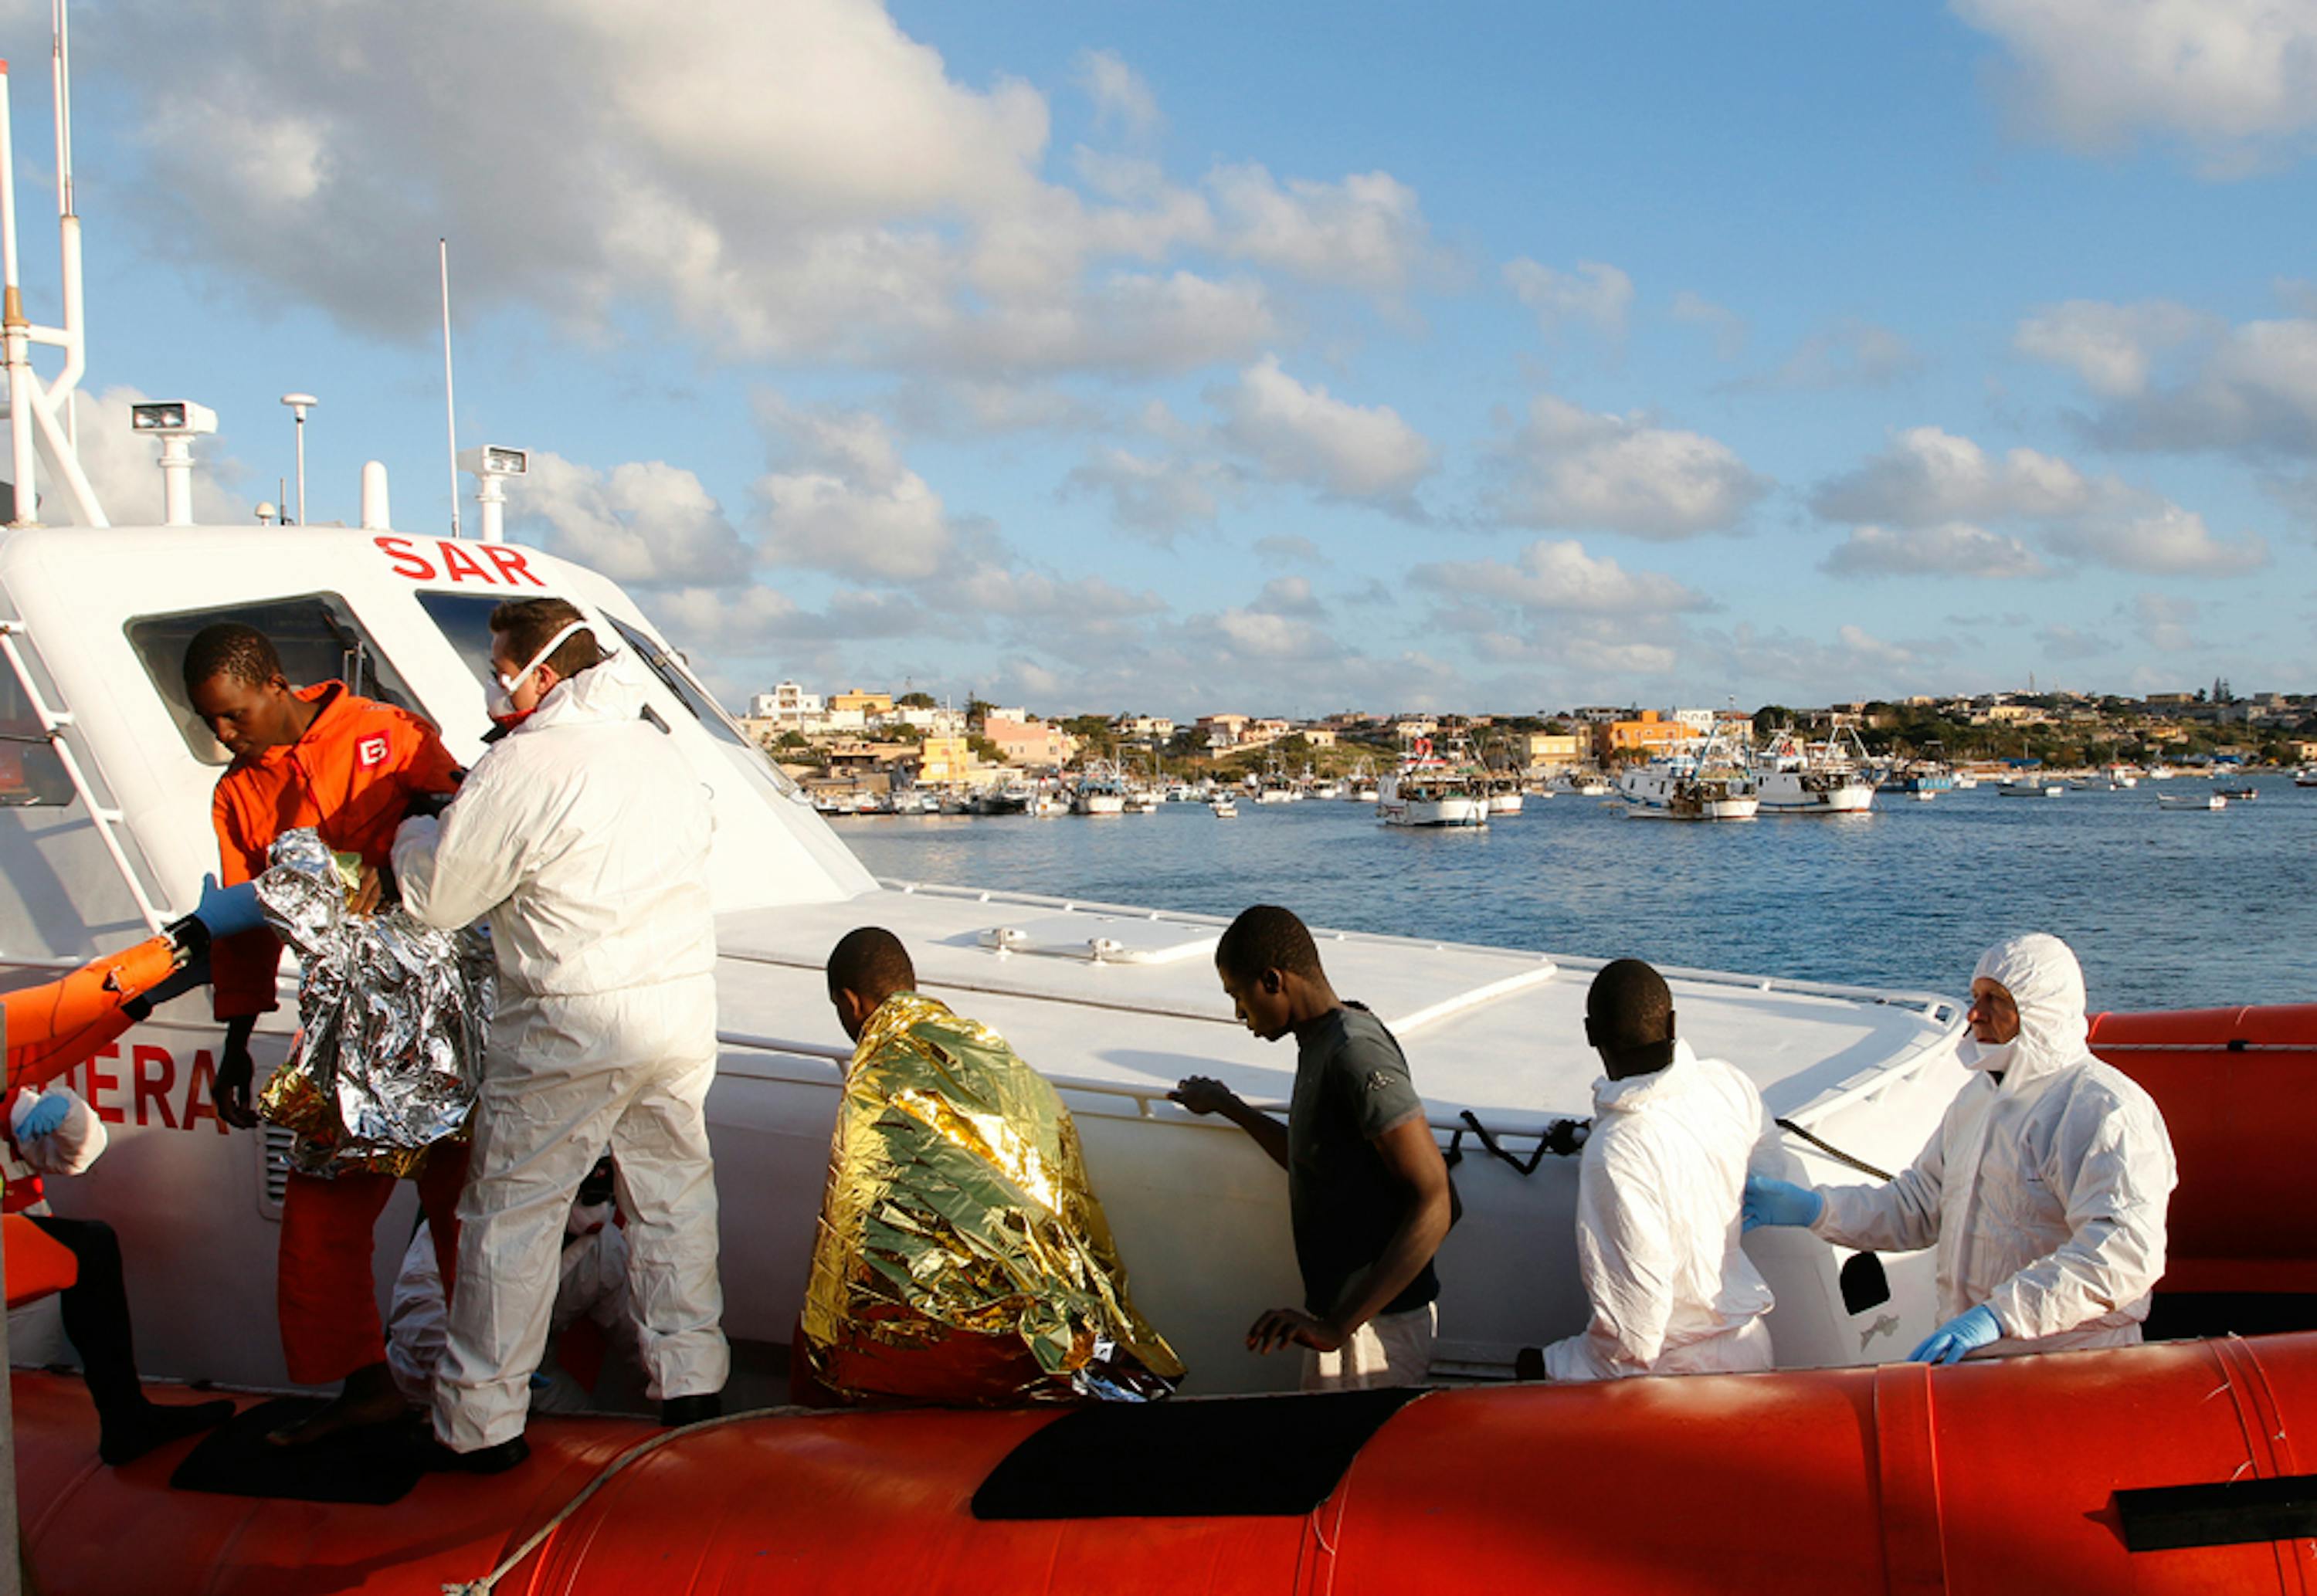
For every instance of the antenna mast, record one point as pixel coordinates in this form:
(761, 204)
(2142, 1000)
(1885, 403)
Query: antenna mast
(450, 401)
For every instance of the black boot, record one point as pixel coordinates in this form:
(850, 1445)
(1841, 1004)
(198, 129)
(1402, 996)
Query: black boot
(677, 1412)
(127, 1433)
(435, 1458)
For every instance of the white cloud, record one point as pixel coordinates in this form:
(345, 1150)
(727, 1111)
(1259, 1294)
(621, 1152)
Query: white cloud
(803, 181)
(1121, 99)
(2111, 347)
(1290, 596)
(1596, 292)
(1367, 231)
(2066, 643)
(847, 502)
(1850, 352)
(1937, 488)
(1951, 549)
(1155, 496)
(2142, 532)
(1558, 577)
(1728, 327)
(1303, 434)
(2232, 78)
(646, 522)
(1928, 477)
(1569, 468)
(2162, 621)
(2253, 392)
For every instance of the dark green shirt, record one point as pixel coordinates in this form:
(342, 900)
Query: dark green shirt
(1352, 1085)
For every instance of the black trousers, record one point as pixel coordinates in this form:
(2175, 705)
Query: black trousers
(97, 1311)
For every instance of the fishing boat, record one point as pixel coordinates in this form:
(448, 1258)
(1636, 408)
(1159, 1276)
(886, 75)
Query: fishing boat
(1924, 776)
(1428, 790)
(1099, 790)
(1223, 806)
(1012, 797)
(105, 837)
(2187, 802)
(1792, 776)
(1712, 784)
(2304, 776)
(2031, 787)
(2237, 792)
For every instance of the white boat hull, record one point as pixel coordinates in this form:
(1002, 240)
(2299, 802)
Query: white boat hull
(1504, 803)
(1444, 811)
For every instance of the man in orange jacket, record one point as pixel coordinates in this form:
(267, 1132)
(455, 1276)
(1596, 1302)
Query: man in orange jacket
(349, 767)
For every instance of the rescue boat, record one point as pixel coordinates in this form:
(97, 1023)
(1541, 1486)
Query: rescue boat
(104, 838)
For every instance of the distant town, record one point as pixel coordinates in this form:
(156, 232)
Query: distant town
(872, 741)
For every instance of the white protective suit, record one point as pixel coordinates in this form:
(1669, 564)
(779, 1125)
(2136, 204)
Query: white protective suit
(584, 839)
(2045, 1190)
(1658, 1193)
(591, 1284)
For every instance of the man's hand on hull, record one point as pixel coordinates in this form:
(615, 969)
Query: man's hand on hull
(1292, 1327)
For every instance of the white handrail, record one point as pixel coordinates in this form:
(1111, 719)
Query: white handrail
(53, 722)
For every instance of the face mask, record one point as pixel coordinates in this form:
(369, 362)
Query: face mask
(499, 700)
(1992, 1056)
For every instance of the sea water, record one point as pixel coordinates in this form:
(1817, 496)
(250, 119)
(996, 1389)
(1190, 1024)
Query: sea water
(2167, 909)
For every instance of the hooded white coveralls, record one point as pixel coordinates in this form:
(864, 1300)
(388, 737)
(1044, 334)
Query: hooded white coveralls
(584, 838)
(2045, 1190)
(1658, 1194)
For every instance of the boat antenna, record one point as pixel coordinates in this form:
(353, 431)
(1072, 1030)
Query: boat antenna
(450, 400)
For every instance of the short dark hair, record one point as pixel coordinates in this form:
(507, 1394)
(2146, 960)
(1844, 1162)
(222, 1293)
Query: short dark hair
(1267, 937)
(1630, 1007)
(528, 623)
(869, 962)
(230, 649)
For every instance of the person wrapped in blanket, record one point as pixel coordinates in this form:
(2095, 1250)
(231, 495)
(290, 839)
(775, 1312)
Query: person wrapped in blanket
(962, 1257)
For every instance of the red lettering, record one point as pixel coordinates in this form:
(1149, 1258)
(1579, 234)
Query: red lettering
(150, 1089)
(200, 1092)
(408, 561)
(513, 567)
(99, 1084)
(458, 565)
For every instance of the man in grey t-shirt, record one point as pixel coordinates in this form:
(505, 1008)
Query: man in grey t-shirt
(1367, 1187)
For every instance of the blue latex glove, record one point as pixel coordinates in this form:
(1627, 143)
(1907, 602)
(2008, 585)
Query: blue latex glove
(1963, 1333)
(1779, 1202)
(229, 911)
(43, 1116)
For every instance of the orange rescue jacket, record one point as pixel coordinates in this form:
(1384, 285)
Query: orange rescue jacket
(352, 778)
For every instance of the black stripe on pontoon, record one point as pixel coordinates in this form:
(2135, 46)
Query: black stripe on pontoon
(2165, 1518)
(1252, 1457)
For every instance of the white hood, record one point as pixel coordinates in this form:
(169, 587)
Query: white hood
(2041, 974)
(615, 689)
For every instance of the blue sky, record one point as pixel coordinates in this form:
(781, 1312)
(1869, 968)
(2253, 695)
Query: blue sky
(1286, 358)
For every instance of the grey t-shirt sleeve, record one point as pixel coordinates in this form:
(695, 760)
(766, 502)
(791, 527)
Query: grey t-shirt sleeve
(1372, 1077)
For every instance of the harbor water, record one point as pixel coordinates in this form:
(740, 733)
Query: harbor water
(2168, 909)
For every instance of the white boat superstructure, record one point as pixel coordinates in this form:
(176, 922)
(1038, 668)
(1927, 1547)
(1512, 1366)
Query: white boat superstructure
(1427, 791)
(1792, 776)
(1712, 784)
(105, 836)
(1099, 790)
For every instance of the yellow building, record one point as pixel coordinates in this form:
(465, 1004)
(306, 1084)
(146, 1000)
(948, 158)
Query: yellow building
(946, 759)
(870, 704)
(1551, 748)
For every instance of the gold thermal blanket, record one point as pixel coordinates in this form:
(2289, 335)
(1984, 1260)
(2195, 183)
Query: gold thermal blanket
(962, 1256)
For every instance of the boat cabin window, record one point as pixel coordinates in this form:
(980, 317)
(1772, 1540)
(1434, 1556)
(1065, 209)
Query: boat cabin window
(678, 679)
(466, 621)
(31, 773)
(319, 640)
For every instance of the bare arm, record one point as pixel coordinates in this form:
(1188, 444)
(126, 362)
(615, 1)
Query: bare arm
(1202, 1095)
(1413, 1159)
